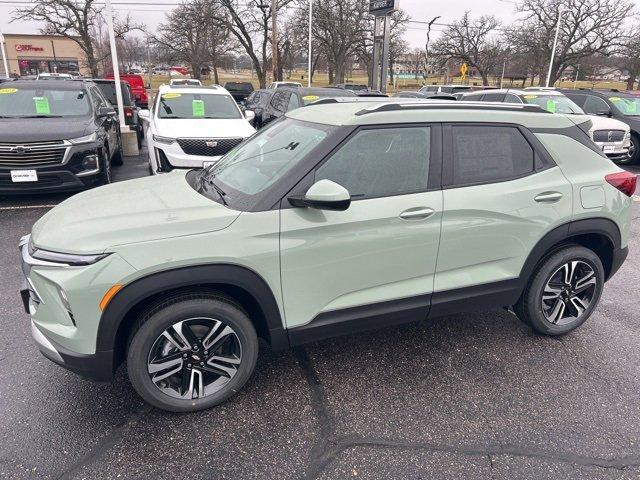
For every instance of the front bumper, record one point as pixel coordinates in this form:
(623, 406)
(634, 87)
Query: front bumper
(167, 157)
(615, 151)
(97, 366)
(67, 176)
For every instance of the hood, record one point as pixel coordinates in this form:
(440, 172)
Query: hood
(144, 209)
(606, 123)
(204, 128)
(32, 130)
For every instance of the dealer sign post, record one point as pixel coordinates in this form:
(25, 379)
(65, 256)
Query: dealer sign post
(382, 9)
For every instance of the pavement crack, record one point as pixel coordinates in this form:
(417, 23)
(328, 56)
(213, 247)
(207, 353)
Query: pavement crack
(491, 451)
(93, 455)
(326, 448)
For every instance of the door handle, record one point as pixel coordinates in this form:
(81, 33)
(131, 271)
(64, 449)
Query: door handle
(417, 213)
(548, 197)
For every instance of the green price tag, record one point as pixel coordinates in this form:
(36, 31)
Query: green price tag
(632, 107)
(198, 108)
(551, 106)
(42, 105)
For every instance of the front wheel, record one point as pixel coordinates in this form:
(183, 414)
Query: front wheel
(634, 151)
(563, 292)
(106, 167)
(192, 352)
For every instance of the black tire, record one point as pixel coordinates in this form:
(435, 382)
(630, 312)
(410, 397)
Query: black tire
(530, 308)
(156, 320)
(634, 150)
(141, 129)
(117, 158)
(106, 176)
(139, 138)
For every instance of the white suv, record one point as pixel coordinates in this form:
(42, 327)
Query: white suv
(193, 127)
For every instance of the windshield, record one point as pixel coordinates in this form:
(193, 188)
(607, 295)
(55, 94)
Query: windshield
(197, 105)
(26, 101)
(267, 156)
(553, 103)
(629, 106)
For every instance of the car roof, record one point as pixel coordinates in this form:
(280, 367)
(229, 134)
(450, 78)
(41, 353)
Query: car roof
(210, 89)
(50, 84)
(319, 91)
(420, 111)
(516, 91)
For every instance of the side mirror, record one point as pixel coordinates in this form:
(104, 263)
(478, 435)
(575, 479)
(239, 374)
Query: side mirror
(104, 112)
(249, 115)
(604, 113)
(323, 195)
(144, 114)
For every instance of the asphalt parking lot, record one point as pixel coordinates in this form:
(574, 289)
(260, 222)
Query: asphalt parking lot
(464, 396)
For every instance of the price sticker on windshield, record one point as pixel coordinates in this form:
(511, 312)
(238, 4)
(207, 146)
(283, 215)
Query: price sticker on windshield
(42, 105)
(198, 108)
(551, 106)
(7, 91)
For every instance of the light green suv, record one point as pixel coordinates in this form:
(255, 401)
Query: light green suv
(335, 219)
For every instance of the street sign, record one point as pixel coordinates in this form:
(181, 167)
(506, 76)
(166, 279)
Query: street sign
(463, 71)
(382, 7)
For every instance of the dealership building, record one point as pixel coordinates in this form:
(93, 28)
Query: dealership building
(33, 54)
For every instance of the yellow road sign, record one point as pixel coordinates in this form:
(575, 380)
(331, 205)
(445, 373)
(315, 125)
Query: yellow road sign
(463, 71)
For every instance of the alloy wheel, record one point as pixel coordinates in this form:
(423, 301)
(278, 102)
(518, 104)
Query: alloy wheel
(194, 358)
(569, 292)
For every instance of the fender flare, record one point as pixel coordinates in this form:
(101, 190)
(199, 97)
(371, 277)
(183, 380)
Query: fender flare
(156, 283)
(600, 226)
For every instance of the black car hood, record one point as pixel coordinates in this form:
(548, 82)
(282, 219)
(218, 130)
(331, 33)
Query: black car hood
(31, 130)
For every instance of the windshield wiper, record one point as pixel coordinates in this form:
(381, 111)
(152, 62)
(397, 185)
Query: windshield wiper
(221, 193)
(41, 116)
(202, 181)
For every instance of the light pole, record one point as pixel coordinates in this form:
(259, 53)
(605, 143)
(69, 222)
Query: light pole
(114, 61)
(555, 43)
(274, 38)
(4, 56)
(310, 37)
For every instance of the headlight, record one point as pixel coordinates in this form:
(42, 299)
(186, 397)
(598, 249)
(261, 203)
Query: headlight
(86, 139)
(66, 258)
(165, 140)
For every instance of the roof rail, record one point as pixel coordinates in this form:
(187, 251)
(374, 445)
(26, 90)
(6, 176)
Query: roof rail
(449, 105)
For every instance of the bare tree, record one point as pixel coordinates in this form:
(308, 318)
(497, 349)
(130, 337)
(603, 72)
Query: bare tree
(472, 41)
(76, 20)
(628, 57)
(190, 35)
(249, 21)
(587, 28)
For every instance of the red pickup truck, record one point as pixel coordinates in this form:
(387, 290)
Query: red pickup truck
(138, 88)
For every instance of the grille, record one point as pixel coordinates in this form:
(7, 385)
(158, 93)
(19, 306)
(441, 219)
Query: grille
(608, 135)
(35, 154)
(198, 146)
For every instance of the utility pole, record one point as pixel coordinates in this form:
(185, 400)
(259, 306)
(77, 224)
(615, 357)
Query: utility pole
(555, 43)
(310, 37)
(274, 38)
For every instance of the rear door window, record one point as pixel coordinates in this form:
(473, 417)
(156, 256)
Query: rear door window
(488, 154)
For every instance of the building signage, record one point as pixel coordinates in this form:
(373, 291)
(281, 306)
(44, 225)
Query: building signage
(28, 48)
(382, 7)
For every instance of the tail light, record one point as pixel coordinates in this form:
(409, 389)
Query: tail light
(128, 112)
(623, 181)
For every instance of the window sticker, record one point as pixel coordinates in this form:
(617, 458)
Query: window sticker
(169, 96)
(310, 98)
(198, 108)
(551, 106)
(7, 91)
(614, 99)
(42, 105)
(530, 97)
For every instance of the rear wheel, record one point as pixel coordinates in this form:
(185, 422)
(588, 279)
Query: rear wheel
(192, 352)
(563, 292)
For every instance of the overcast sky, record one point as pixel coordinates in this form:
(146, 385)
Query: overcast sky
(419, 10)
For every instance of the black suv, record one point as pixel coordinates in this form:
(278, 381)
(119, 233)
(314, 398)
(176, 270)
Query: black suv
(615, 104)
(239, 90)
(285, 99)
(131, 119)
(56, 135)
(257, 102)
